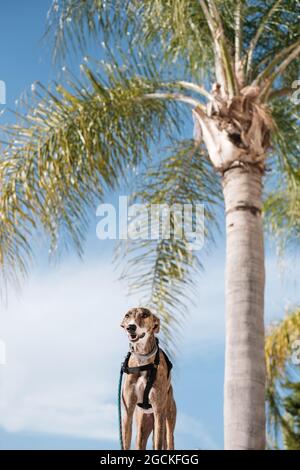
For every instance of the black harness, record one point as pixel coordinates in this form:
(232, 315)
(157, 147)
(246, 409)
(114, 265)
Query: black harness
(151, 373)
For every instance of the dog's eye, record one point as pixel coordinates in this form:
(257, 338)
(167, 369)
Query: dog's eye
(127, 315)
(145, 315)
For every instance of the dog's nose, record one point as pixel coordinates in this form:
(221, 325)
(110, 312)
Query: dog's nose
(131, 328)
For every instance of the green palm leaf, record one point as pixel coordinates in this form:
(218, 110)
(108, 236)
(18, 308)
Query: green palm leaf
(69, 149)
(280, 369)
(164, 271)
(281, 205)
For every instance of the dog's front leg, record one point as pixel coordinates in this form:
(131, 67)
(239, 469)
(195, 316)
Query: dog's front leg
(129, 402)
(144, 427)
(127, 429)
(159, 429)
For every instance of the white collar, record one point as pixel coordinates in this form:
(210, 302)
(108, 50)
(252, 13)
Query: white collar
(144, 356)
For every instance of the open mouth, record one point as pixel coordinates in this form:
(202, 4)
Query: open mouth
(134, 337)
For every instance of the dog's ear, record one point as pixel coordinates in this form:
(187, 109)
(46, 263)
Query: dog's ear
(156, 324)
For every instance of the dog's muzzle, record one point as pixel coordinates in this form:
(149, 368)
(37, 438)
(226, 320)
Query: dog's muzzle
(133, 336)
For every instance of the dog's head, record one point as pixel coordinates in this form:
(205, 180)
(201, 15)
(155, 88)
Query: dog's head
(140, 323)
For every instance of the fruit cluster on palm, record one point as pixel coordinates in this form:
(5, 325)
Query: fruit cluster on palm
(228, 65)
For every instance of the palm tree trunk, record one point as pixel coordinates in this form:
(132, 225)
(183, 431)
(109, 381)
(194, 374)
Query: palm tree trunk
(244, 405)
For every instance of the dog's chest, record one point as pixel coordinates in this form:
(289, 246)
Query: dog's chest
(140, 388)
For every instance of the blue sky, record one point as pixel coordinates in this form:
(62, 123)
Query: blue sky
(64, 346)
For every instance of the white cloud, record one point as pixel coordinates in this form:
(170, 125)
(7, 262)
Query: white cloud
(63, 347)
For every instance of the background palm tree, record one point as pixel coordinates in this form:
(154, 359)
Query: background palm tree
(282, 349)
(232, 65)
(291, 405)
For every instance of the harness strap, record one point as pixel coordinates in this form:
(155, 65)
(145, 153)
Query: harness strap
(151, 376)
(124, 365)
(138, 369)
(151, 373)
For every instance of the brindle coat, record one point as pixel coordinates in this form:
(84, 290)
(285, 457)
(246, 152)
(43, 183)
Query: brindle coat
(141, 326)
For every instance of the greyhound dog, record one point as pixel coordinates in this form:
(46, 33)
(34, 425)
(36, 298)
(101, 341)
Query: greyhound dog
(147, 390)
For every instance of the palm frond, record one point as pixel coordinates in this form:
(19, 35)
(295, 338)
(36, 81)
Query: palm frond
(278, 345)
(270, 27)
(206, 39)
(282, 209)
(163, 270)
(70, 23)
(73, 144)
(278, 353)
(265, 18)
(176, 26)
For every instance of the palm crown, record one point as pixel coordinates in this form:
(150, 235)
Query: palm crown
(79, 138)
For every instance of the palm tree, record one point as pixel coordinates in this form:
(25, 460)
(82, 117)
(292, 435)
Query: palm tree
(291, 405)
(228, 65)
(282, 351)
